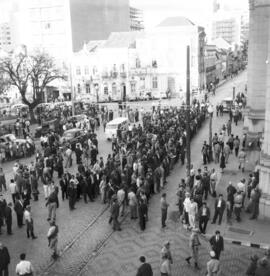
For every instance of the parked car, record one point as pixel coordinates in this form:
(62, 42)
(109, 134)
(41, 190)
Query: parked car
(20, 147)
(73, 136)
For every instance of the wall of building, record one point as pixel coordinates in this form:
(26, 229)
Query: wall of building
(96, 19)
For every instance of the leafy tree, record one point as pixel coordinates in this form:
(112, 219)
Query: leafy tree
(30, 74)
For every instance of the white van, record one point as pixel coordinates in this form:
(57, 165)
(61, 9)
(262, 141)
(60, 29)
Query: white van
(112, 126)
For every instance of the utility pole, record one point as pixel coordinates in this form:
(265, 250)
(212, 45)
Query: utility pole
(72, 89)
(188, 112)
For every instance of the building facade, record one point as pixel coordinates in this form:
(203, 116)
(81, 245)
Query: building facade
(136, 19)
(63, 26)
(228, 29)
(5, 36)
(152, 63)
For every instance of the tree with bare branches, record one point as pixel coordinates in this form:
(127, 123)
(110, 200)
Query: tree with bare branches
(30, 73)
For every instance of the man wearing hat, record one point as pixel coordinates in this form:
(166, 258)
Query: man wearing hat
(213, 266)
(217, 244)
(194, 244)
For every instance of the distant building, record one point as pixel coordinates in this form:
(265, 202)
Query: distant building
(136, 19)
(228, 29)
(63, 26)
(244, 31)
(131, 65)
(5, 36)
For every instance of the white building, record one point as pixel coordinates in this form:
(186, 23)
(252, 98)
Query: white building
(133, 64)
(5, 36)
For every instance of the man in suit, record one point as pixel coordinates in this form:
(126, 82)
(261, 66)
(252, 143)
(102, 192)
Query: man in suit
(204, 216)
(4, 260)
(217, 244)
(145, 269)
(18, 208)
(220, 206)
(8, 218)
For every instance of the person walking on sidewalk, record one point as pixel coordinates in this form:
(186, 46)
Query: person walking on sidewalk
(165, 267)
(167, 250)
(8, 218)
(29, 222)
(217, 244)
(238, 199)
(53, 204)
(193, 211)
(164, 209)
(236, 145)
(18, 208)
(53, 239)
(204, 216)
(213, 266)
(222, 162)
(242, 160)
(115, 209)
(145, 269)
(213, 182)
(194, 244)
(255, 196)
(4, 260)
(220, 206)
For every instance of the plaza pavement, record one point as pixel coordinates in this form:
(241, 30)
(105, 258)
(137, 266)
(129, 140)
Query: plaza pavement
(88, 245)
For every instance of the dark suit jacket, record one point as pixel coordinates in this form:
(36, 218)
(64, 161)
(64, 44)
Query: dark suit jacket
(223, 204)
(4, 258)
(8, 214)
(217, 246)
(145, 270)
(207, 212)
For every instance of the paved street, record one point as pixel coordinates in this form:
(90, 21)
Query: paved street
(88, 245)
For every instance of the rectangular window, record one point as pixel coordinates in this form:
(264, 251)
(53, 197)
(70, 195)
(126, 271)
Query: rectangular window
(86, 70)
(78, 70)
(155, 82)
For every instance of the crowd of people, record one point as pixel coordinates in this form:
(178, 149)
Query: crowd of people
(142, 158)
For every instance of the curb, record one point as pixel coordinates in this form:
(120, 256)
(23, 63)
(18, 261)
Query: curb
(243, 243)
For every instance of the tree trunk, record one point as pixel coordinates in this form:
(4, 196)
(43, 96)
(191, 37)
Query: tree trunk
(32, 116)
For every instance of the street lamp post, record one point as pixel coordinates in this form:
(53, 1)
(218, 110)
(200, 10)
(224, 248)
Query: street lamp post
(210, 112)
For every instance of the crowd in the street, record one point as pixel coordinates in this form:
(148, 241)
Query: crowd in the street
(143, 156)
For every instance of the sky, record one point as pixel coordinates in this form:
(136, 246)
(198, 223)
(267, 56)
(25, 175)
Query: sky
(198, 11)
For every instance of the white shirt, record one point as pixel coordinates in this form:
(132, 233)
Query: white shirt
(12, 188)
(241, 186)
(27, 216)
(24, 267)
(219, 203)
(121, 195)
(187, 204)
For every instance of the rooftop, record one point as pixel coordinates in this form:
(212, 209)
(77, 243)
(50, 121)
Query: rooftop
(122, 39)
(176, 21)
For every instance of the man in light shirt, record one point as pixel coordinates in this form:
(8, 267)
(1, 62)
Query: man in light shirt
(24, 267)
(121, 195)
(29, 222)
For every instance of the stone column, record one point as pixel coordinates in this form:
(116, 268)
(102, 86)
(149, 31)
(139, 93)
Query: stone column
(257, 67)
(265, 153)
(259, 19)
